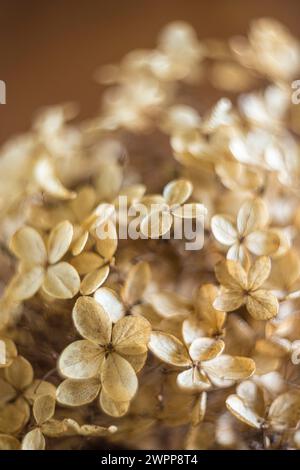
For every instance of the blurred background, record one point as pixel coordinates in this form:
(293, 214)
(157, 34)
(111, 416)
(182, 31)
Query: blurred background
(49, 50)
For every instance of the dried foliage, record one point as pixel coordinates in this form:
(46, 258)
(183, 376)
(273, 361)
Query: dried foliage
(142, 343)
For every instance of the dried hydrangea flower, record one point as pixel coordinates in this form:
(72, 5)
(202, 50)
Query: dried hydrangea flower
(244, 288)
(248, 406)
(160, 219)
(15, 396)
(41, 265)
(60, 189)
(248, 234)
(204, 362)
(107, 358)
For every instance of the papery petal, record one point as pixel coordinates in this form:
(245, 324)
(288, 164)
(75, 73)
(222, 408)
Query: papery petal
(262, 305)
(81, 360)
(131, 335)
(111, 303)
(118, 378)
(169, 349)
(61, 281)
(91, 320)
(224, 230)
(78, 392)
(59, 241)
(28, 245)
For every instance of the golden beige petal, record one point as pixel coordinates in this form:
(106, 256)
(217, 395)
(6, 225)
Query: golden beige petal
(43, 408)
(48, 181)
(111, 407)
(219, 382)
(87, 262)
(134, 192)
(92, 281)
(81, 360)
(193, 380)
(238, 252)
(26, 284)
(203, 349)
(38, 388)
(105, 213)
(238, 273)
(118, 378)
(156, 224)
(136, 282)
(285, 270)
(131, 335)
(262, 305)
(259, 272)
(7, 392)
(243, 412)
(284, 412)
(199, 409)
(107, 246)
(223, 276)
(12, 419)
(169, 349)
(192, 210)
(224, 230)
(193, 328)
(91, 320)
(79, 242)
(229, 301)
(177, 191)
(9, 442)
(109, 180)
(59, 241)
(136, 360)
(20, 373)
(230, 367)
(169, 304)
(72, 392)
(84, 202)
(28, 245)
(204, 306)
(273, 347)
(9, 350)
(289, 327)
(111, 302)
(61, 281)
(252, 395)
(252, 215)
(262, 242)
(34, 440)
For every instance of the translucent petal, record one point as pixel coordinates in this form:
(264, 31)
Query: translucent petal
(61, 281)
(78, 392)
(28, 245)
(118, 378)
(169, 349)
(81, 360)
(59, 241)
(91, 320)
(111, 302)
(131, 335)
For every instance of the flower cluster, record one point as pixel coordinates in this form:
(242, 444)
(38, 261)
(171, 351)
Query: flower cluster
(138, 341)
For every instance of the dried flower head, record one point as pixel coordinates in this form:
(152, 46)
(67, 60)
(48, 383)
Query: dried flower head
(161, 361)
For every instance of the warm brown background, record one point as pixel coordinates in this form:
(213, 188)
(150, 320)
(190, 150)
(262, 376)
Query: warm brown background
(49, 49)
